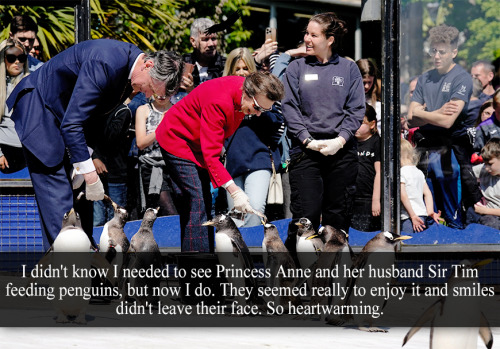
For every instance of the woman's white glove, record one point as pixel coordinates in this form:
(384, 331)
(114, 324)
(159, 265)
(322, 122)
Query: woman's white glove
(94, 191)
(241, 201)
(331, 146)
(315, 145)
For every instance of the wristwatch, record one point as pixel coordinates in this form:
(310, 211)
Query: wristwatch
(308, 140)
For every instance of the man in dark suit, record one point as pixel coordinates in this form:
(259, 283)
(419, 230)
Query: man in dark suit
(53, 106)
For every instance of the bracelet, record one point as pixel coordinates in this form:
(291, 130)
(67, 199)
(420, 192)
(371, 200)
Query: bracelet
(308, 140)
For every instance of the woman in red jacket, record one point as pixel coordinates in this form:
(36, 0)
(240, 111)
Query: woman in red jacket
(192, 135)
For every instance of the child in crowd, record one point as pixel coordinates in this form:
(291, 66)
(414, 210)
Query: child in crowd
(366, 211)
(418, 206)
(156, 187)
(487, 211)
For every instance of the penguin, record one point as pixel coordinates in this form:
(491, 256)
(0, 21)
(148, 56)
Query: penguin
(72, 248)
(233, 252)
(309, 245)
(113, 243)
(446, 310)
(113, 236)
(276, 257)
(143, 253)
(336, 252)
(385, 242)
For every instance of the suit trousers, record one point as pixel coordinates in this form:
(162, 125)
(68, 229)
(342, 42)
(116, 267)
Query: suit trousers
(193, 201)
(54, 197)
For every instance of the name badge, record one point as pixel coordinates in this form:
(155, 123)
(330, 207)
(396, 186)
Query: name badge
(311, 77)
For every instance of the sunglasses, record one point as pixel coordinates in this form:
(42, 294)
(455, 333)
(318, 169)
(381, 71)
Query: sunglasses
(23, 39)
(257, 107)
(12, 58)
(432, 52)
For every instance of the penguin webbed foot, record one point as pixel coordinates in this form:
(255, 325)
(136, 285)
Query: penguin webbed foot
(80, 319)
(372, 329)
(62, 319)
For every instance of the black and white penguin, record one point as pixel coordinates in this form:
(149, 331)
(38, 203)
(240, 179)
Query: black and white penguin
(309, 244)
(385, 242)
(113, 236)
(72, 248)
(336, 252)
(277, 257)
(233, 252)
(142, 253)
(113, 243)
(446, 310)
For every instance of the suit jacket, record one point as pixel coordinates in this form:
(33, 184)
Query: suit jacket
(195, 128)
(53, 103)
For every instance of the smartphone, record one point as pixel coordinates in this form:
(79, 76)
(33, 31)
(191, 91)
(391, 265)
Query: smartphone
(188, 68)
(271, 33)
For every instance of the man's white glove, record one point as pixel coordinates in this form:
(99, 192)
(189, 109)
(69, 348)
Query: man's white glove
(76, 179)
(331, 146)
(314, 145)
(241, 201)
(94, 191)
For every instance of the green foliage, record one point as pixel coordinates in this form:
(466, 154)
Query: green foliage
(483, 41)
(149, 24)
(479, 20)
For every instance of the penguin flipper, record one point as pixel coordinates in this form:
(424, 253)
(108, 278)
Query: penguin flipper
(99, 261)
(485, 332)
(426, 317)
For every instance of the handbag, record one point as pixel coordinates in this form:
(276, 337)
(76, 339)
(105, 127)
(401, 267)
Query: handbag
(275, 192)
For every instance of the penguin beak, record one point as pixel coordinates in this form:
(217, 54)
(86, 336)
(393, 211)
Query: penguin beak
(482, 263)
(72, 211)
(299, 224)
(403, 237)
(208, 223)
(312, 237)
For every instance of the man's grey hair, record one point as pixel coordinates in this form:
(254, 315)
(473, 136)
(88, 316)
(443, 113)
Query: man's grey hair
(199, 26)
(168, 67)
(487, 66)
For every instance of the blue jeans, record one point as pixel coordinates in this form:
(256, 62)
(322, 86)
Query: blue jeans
(103, 211)
(255, 184)
(193, 201)
(444, 182)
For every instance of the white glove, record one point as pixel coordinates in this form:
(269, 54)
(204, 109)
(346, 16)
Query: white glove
(241, 201)
(76, 180)
(331, 146)
(94, 191)
(315, 145)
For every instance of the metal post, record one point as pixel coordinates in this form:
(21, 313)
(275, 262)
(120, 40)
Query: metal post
(391, 126)
(82, 21)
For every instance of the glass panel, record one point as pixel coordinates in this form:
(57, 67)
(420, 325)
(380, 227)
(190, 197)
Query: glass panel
(440, 43)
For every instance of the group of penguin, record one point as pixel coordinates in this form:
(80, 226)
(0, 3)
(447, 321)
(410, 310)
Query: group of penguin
(115, 249)
(325, 249)
(330, 247)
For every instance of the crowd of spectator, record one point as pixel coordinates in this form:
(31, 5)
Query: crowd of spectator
(323, 135)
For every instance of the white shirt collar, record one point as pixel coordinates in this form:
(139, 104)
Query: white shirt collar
(131, 70)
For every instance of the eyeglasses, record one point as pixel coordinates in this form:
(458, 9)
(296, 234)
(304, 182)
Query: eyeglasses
(12, 58)
(432, 52)
(23, 39)
(257, 107)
